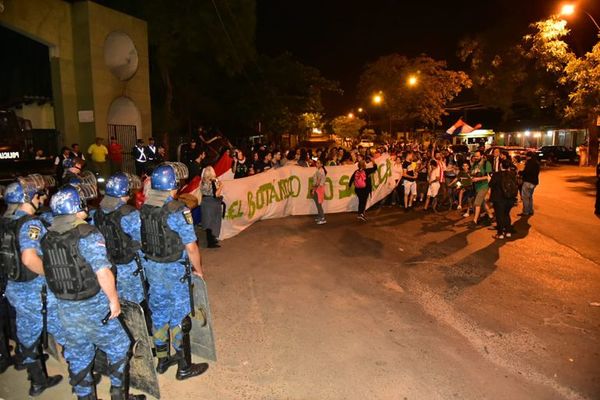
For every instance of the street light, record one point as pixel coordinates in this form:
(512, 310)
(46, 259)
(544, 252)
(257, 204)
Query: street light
(360, 109)
(377, 99)
(569, 9)
(412, 80)
(350, 115)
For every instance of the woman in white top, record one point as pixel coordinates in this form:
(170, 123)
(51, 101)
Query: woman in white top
(318, 191)
(434, 185)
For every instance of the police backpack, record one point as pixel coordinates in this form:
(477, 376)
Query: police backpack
(159, 242)
(121, 248)
(68, 275)
(10, 250)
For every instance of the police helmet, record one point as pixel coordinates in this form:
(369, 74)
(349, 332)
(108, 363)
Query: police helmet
(19, 193)
(164, 178)
(68, 200)
(117, 185)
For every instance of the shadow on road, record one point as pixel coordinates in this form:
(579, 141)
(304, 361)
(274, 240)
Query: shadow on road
(355, 244)
(587, 185)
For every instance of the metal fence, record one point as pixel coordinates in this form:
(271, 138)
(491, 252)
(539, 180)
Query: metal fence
(126, 136)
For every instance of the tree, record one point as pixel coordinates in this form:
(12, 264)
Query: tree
(508, 74)
(345, 126)
(420, 102)
(579, 76)
(281, 90)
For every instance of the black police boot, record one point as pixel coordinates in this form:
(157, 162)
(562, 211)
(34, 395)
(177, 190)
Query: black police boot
(121, 393)
(165, 362)
(186, 369)
(212, 240)
(5, 357)
(39, 378)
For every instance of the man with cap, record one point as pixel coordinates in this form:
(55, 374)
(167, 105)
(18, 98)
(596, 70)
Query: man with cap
(120, 224)
(168, 239)
(20, 258)
(78, 273)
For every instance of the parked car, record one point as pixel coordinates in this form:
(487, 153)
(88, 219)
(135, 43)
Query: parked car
(557, 153)
(513, 151)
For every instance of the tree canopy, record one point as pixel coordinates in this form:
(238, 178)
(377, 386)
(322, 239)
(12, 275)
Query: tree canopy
(345, 126)
(414, 91)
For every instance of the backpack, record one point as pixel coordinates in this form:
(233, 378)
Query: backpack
(508, 183)
(360, 179)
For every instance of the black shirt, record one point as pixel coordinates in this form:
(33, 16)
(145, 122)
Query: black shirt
(531, 172)
(410, 175)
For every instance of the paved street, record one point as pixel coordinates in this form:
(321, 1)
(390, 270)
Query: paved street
(405, 306)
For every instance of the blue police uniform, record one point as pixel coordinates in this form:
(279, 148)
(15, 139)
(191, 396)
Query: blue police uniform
(168, 295)
(84, 331)
(129, 285)
(167, 228)
(25, 297)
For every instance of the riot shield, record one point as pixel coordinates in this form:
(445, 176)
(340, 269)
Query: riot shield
(201, 337)
(142, 374)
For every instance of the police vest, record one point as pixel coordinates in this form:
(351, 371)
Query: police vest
(10, 250)
(68, 275)
(159, 242)
(121, 247)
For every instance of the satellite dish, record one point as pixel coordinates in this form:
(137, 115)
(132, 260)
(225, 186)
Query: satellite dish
(120, 55)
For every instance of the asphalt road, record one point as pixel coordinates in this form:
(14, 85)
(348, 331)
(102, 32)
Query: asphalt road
(406, 306)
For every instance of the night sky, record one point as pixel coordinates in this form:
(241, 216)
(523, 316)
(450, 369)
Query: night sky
(340, 37)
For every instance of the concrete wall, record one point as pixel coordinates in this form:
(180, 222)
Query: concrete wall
(106, 86)
(75, 34)
(41, 116)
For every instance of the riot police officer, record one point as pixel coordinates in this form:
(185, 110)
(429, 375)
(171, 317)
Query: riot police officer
(20, 258)
(78, 273)
(120, 223)
(168, 237)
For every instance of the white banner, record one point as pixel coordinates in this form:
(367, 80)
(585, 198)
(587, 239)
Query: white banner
(285, 191)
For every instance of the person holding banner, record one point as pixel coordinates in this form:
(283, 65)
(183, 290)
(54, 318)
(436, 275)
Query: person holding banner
(362, 186)
(318, 191)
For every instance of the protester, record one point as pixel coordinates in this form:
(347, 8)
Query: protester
(240, 165)
(409, 175)
(504, 189)
(362, 186)
(464, 184)
(318, 191)
(211, 206)
(480, 174)
(195, 169)
(530, 177)
(396, 177)
(190, 152)
(434, 185)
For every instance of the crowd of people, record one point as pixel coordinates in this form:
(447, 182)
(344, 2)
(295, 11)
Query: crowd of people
(428, 175)
(432, 175)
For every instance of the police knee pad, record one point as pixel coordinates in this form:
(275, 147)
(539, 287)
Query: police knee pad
(186, 324)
